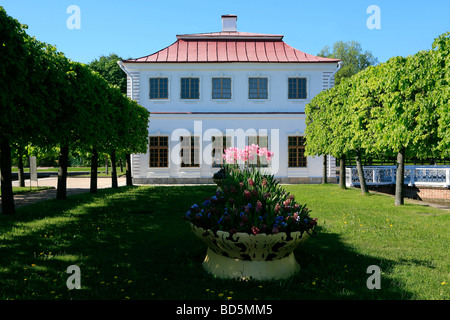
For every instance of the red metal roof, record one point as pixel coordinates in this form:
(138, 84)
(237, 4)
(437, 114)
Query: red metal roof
(230, 47)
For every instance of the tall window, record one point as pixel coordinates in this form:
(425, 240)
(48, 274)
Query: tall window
(296, 149)
(262, 142)
(159, 151)
(219, 144)
(297, 88)
(221, 88)
(257, 88)
(190, 151)
(159, 88)
(190, 88)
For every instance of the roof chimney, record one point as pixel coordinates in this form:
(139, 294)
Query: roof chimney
(229, 22)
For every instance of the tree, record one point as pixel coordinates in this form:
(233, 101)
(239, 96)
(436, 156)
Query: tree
(441, 92)
(134, 136)
(400, 107)
(331, 120)
(13, 74)
(352, 55)
(109, 69)
(405, 121)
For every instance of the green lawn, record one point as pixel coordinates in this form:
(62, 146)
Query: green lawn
(101, 171)
(21, 190)
(132, 243)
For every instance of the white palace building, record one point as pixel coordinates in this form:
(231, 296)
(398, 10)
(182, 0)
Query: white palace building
(209, 91)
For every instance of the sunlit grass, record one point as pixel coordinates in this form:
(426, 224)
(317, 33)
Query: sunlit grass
(132, 243)
(22, 190)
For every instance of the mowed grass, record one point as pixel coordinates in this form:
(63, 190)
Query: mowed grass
(22, 190)
(132, 243)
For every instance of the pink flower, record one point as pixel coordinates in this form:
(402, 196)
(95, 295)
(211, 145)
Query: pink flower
(247, 194)
(258, 206)
(277, 208)
(255, 230)
(233, 154)
(250, 181)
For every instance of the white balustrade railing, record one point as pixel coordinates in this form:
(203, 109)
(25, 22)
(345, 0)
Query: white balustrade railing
(438, 176)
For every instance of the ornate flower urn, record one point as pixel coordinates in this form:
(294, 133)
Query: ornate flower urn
(243, 255)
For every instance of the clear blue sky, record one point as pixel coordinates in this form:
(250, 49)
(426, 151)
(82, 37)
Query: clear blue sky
(136, 28)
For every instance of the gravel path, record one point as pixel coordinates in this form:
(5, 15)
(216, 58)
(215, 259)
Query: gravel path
(74, 186)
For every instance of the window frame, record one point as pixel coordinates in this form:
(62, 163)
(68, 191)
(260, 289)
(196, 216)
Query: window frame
(258, 88)
(192, 149)
(227, 142)
(221, 88)
(159, 147)
(298, 162)
(158, 88)
(190, 78)
(289, 87)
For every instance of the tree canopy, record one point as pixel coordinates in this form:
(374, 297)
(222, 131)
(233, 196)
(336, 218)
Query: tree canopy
(397, 107)
(108, 68)
(352, 55)
(48, 101)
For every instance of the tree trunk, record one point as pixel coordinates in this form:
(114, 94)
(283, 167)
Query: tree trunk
(128, 170)
(21, 175)
(362, 179)
(94, 169)
(399, 199)
(121, 165)
(61, 192)
(106, 164)
(324, 169)
(342, 172)
(113, 169)
(6, 178)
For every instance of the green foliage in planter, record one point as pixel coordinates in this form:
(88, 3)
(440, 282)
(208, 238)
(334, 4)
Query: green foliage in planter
(251, 202)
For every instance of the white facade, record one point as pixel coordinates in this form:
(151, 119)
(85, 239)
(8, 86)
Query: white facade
(276, 117)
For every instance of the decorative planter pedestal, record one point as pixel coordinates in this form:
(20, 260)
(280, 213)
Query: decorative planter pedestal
(261, 256)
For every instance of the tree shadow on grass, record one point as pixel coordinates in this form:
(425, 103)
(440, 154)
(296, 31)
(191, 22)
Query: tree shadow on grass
(330, 270)
(132, 243)
(117, 238)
